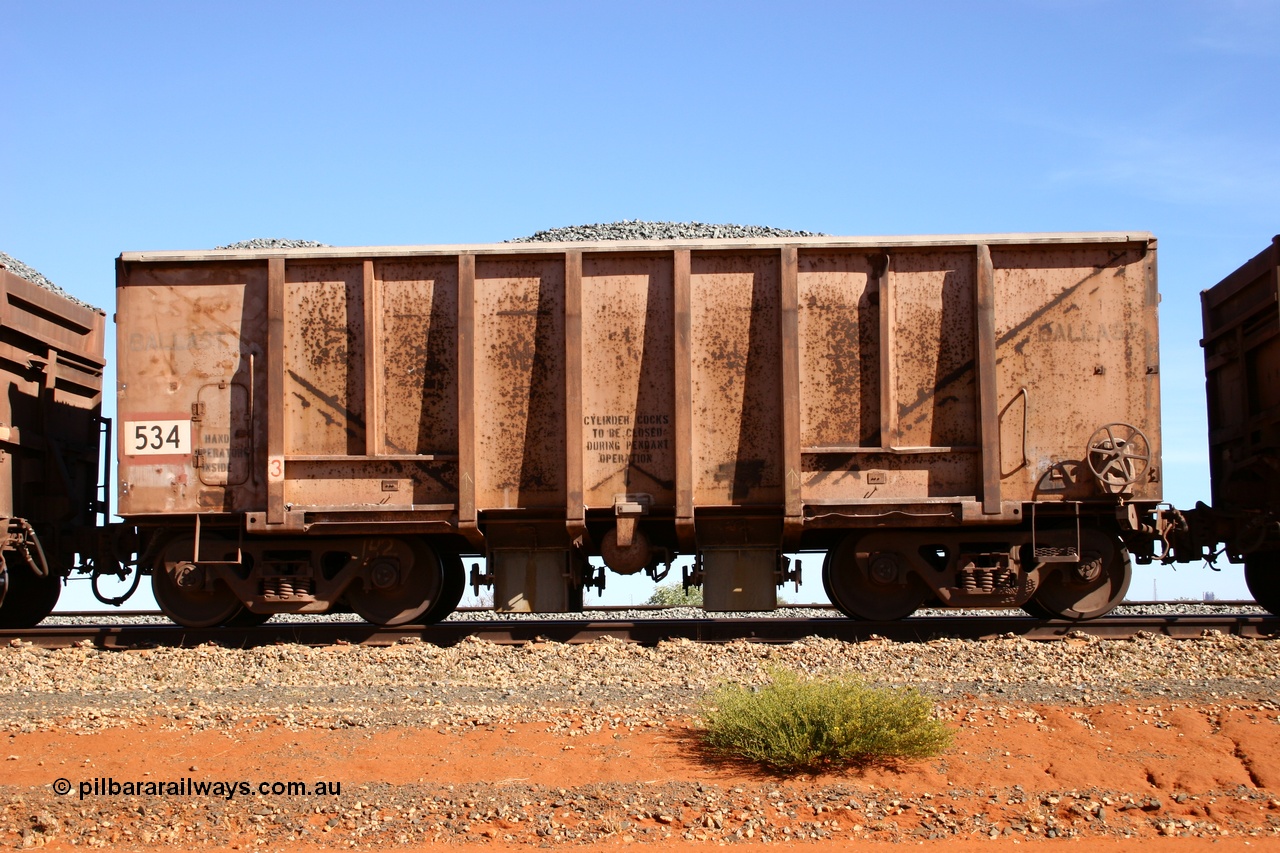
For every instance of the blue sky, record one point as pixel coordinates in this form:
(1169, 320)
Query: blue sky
(136, 125)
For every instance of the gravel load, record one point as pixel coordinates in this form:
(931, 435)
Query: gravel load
(21, 270)
(636, 229)
(275, 243)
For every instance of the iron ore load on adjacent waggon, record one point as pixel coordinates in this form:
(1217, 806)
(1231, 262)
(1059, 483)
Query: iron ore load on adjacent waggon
(965, 421)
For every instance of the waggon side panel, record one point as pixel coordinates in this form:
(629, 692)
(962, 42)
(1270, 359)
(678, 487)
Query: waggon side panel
(737, 414)
(1242, 372)
(887, 379)
(839, 339)
(581, 390)
(190, 350)
(324, 391)
(520, 382)
(1076, 348)
(628, 379)
(51, 367)
(419, 316)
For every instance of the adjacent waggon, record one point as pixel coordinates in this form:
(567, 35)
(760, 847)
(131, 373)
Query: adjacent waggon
(966, 421)
(1242, 372)
(51, 434)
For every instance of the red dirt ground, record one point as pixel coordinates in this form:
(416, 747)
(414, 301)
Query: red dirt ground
(1205, 756)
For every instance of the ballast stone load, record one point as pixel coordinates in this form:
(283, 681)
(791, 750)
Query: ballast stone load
(635, 229)
(274, 243)
(23, 271)
(627, 229)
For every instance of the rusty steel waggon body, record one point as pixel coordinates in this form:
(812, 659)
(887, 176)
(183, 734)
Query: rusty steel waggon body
(51, 482)
(1242, 376)
(972, 420)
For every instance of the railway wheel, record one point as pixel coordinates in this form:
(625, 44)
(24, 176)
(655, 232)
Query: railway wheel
(455, 583)
(182, 590)
(403, 581)
(30, 597)
(1034, 608)
(885, 591)
(1262, 576)
(246, 618)
(1087, 589)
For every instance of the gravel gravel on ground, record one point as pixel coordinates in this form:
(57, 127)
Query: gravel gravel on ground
(610, 695)
(414, 682)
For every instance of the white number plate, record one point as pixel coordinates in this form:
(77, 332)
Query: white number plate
(157, 438)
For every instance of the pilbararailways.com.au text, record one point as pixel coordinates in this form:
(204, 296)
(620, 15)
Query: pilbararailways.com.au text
(222, 788)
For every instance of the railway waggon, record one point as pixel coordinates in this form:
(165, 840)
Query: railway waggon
(965, 421)
(1242, 380)
(51, 436)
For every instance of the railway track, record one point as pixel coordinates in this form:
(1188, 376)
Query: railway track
(108, 635)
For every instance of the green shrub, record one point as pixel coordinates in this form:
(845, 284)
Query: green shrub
(790, 723)
(675, 595)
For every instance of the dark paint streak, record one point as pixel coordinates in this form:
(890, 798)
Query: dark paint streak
(332, 401)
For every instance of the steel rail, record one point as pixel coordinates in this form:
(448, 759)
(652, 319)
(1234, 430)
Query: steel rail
(645, 631)
(1222, 604)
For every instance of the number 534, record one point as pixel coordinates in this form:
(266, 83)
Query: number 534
(149, 438)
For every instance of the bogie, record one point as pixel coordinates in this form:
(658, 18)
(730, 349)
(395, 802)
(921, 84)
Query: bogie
(877, 588)
(240, 582)
(888, 575)
(1088, 588)
(454, 584)
(189, 592)
(398, 585)
(28, 597)
(1262, 576)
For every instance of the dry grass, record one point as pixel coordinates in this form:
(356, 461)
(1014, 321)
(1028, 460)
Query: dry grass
(811, 724)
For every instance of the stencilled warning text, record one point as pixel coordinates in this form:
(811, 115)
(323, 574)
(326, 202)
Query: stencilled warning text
(219, 455)
(626, 439)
